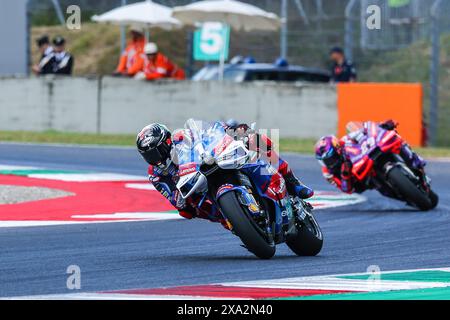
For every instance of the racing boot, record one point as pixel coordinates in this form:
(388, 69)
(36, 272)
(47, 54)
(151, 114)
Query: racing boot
(415, 162)
(293, 184)
(412, 159)
(295, 187)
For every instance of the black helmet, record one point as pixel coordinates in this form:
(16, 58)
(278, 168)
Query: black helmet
(42, 40)
(154, 144)
(337, 50)
(59, 41)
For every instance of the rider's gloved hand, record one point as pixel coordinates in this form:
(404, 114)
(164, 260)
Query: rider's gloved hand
(330, 178)
(389, 125)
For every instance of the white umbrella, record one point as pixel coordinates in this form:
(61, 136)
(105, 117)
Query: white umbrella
(146, 13)
(238, 15)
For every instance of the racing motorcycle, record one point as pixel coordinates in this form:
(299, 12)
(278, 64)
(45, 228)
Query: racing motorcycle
(377, 164)
(217, 166)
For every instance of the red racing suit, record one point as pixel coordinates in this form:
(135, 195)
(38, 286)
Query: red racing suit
(341, 177)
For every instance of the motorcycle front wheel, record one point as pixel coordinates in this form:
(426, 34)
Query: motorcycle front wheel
(412, 194)
(309, 239)
(244, 227)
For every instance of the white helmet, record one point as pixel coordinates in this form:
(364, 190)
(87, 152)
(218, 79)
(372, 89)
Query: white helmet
(150, 48)
(137, 28)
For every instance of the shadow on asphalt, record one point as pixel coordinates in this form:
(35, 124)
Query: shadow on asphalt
(239, 258)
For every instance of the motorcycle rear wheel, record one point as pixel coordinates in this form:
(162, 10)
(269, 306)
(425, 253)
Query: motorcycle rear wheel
(244, 227)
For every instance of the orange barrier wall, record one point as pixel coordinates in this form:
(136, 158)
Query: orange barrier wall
(382, 101)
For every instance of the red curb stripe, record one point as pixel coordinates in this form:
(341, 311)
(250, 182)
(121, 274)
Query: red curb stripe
(90, 198)
(220, 291)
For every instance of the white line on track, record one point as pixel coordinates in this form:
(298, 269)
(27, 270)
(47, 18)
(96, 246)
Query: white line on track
(328, 282)
(88, 177)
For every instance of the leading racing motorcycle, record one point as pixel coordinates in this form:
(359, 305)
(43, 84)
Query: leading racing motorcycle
(377, 164)
(218, 166)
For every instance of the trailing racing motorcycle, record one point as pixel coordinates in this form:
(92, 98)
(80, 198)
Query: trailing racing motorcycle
(217, 166)
(377, 163)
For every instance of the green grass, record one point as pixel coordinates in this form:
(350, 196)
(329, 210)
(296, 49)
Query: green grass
(66, 137)
(303, 146)
(434, 152)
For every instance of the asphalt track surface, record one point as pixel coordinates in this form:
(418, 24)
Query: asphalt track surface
(113, 256)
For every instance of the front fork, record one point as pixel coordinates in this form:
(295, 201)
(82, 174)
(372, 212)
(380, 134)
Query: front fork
(416, 164)
(301, 209)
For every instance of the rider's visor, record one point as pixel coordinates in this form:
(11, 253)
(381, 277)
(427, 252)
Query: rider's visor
(332, 161)
(155, 156)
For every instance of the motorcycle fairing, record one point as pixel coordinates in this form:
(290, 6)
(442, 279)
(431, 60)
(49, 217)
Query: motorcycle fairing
(373, 137)
(209, 142)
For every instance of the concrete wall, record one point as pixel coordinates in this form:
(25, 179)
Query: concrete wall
(14, 37)
(115, 105)
(39, 104)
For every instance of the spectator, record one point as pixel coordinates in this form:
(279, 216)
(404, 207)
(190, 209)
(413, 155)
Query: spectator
(342, 69)
(63, 63)
(157, 65)
(45, 65)
(131, 61)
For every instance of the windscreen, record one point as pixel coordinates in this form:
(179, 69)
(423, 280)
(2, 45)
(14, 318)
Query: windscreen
(200, 140)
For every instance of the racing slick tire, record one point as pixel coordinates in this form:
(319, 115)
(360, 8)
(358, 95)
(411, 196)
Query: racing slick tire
(412, 194)
(308, 240)
(243, 226)
(434, 198)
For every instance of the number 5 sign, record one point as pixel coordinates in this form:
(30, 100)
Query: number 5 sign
(210, 40)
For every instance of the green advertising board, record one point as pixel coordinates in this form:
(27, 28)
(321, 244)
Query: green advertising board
(210, 40)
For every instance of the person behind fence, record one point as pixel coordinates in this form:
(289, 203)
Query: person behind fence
(45, 65)
(158, 66)
(63, 62)
(131, 60)
(342, 69)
